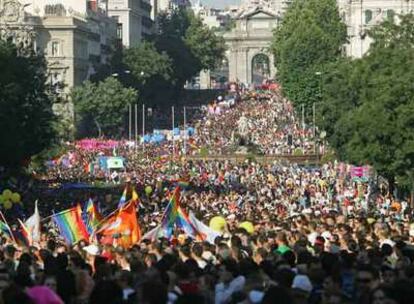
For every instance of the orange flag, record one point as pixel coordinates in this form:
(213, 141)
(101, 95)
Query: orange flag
(122, 228)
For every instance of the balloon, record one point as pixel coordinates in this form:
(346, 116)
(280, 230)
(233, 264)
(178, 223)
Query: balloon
(148, 190)
(1, 199)
(7, 194)
(8, 204)
(247, 226)
(15, 198)
(218, 223)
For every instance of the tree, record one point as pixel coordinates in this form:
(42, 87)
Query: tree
(190, 45)
(103, 105)
(26, 116)
(206, 46)
(310, 37)
(145, 62)
(372, 101)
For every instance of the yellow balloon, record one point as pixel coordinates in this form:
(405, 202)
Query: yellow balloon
(7, 194)
(1, 199)
(248, 227)
(218, 223)
(148, 190)
(8, 204)
(15, 197)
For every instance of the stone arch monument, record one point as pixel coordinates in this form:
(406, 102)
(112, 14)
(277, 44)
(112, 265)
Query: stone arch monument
(250, 38)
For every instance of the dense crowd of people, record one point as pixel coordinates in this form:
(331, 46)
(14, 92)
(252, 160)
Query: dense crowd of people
(316, 234)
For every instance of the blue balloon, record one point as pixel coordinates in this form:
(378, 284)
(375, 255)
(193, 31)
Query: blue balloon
(176, 131)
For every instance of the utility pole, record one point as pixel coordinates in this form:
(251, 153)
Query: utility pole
(143, 128)
(136, 127)
(185, 131)
(173, 125)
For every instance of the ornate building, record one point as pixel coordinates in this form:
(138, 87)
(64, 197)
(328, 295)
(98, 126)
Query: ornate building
(361, 15)
(248, 57)
(75, 36)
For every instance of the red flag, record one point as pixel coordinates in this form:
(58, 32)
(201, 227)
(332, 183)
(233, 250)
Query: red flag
(122, 228)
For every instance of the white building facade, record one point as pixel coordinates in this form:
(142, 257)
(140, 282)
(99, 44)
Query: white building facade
(133, 19)
(76, 36)
(361, 15)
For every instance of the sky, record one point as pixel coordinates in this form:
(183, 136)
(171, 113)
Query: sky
(219, 3)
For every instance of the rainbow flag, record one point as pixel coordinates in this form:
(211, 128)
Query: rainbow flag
(5, 230)
(174, 216)
(91, 216)
(24, 235)
(123, 198)
(70, 225)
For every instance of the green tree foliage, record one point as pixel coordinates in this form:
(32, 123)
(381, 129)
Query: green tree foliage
(26, 116)
(310, 37)
(368, 106)
(145, 62)
(190, 45)
(102, 106)
(207, 47)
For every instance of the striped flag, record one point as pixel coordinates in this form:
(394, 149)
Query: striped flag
(92, 217)
(123, 198)
(70, 225)
(5, 230)
(24, 235)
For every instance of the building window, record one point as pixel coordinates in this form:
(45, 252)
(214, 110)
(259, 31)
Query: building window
(119, 30)
(368, 16)
(390, 15)
(55, 49)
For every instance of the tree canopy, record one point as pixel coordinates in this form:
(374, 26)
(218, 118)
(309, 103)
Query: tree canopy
(102, 106)
(26, 116)
(368, 104)
(310, 37)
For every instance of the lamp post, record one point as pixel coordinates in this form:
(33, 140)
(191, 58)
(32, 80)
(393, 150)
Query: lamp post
(319, 74)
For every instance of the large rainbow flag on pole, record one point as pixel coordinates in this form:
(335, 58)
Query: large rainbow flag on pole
(175, 217)
(70, 225)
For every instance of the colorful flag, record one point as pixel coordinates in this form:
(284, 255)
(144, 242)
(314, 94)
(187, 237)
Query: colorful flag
(5, 230)
(23, 236)
(92, 217)
(171, 212)
(32, 225)
(123, 198)
(208, 234)
(135, 197)
(175, 217)
(70, 225)
(121, 228)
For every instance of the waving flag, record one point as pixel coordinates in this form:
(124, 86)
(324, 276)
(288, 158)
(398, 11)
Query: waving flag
(208, 234)
(70, 225)
(175, 217)
(5, 230)
(92, 217)
(32, 225)
(123, 198)
(121, 228)
(23, 236)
